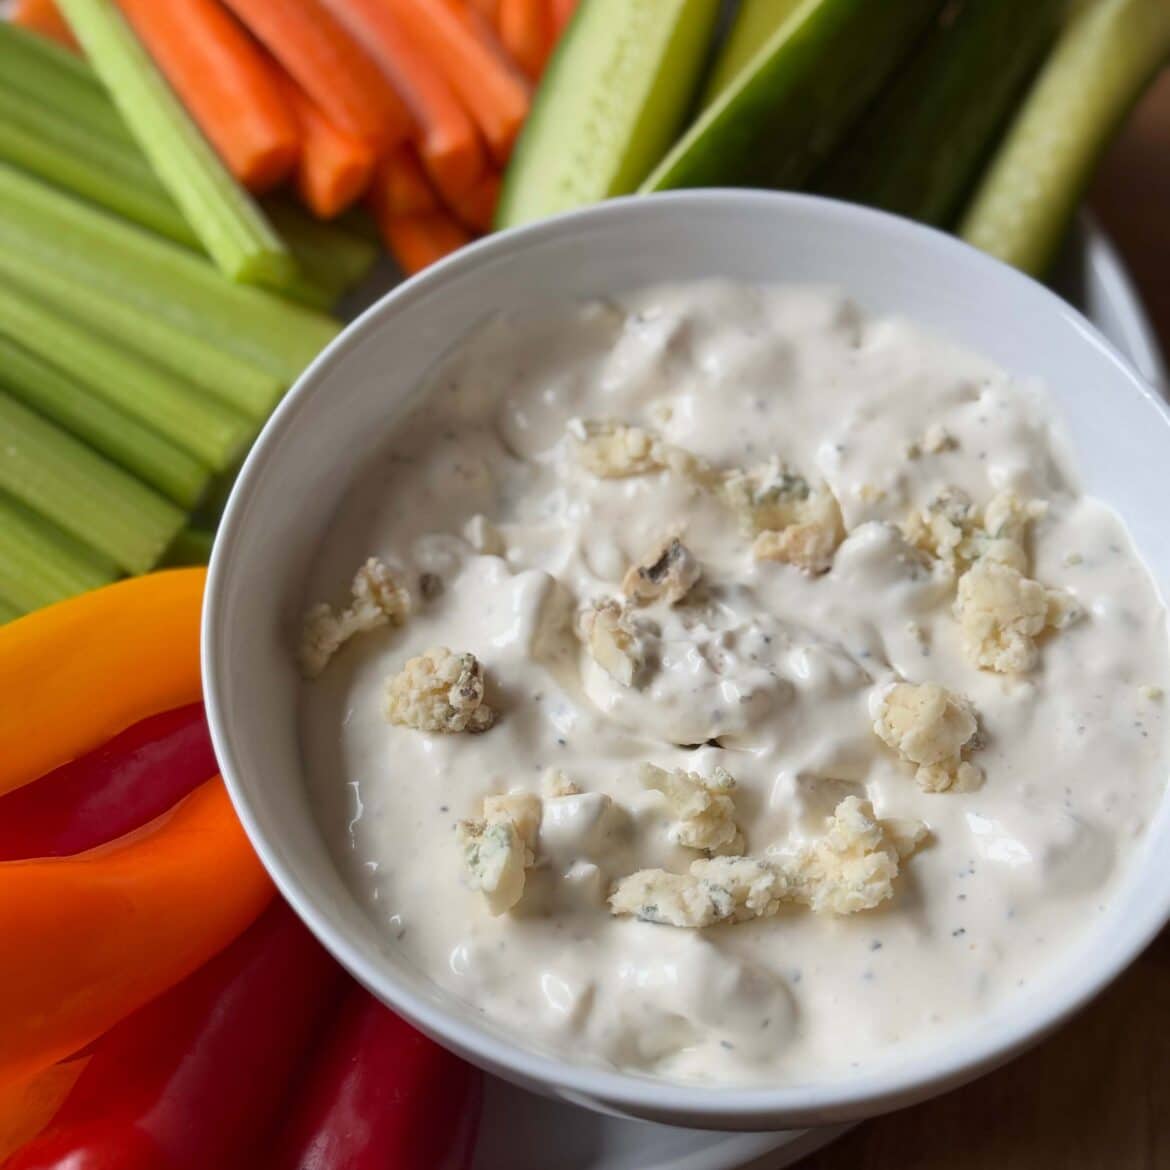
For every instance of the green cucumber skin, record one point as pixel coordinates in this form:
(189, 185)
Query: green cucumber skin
(785, 113)
(612, 100)
(755, 22)
(1028, 196)
(917, 152)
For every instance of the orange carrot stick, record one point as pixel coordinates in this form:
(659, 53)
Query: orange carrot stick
(524, 33)
(226, 83)
(477, 208)
(449, 142)
(42, 16)
(562, 13)
(335, 168)
(452, 37)
(330, 66)
(400, 186)
(418, 240)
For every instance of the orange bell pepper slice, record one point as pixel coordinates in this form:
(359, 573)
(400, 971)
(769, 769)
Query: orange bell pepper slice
(76, 673)
(88, 939)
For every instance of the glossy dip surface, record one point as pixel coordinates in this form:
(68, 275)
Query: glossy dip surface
(768, 670)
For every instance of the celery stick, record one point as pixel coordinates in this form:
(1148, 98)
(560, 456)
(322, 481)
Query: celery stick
(155, 460)
(1028, 196)
(110, 170)
(82, 492)
(111, 258)
(233, 381)
(232, 227)
(40, 564)
(210, 431)
(9, 612)
(60, 98)
(60, 80)
(39, 139)
(332, 255)
(191, 547)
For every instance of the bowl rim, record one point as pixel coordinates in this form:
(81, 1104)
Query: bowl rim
(926, 1071)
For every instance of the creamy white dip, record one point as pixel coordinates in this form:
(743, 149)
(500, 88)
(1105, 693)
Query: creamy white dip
(765, 670)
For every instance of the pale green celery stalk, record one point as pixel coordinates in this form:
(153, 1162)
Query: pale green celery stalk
(112, 258)
(40, 564)
(191, 547)
(60, 80)
(82, 492)
(118, 436)
(1029, 194)
(98, 158)
(232, 380)
(39, 139)
(330, 254)
(9, 612)
(214, 433)
(224, 216)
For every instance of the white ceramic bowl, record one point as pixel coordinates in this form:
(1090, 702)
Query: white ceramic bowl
(344, 407)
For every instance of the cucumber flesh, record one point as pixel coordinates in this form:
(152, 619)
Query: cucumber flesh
(790, 106)
(920, 147)
(611, 103)
(1028, 196)
(755, 22)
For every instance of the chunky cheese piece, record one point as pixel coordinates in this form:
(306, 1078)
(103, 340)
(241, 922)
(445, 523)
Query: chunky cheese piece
(377, 599)
(930, 727)
(499, 846)
(704, 807)
(670, 899)
(851, 868)
(953, 531)
(791, 520)
(439, 691)
(668, 573)
(1001, 613)
(755, 888)
(612, 640)
(522, 809)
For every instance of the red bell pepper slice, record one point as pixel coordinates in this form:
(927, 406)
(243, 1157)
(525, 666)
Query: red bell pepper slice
(381, 1096)
(193, 1079)
(111, 791)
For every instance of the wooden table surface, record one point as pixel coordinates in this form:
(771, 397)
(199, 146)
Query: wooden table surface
(1096, 1096)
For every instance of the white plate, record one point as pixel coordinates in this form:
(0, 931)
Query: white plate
(522, 1131)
